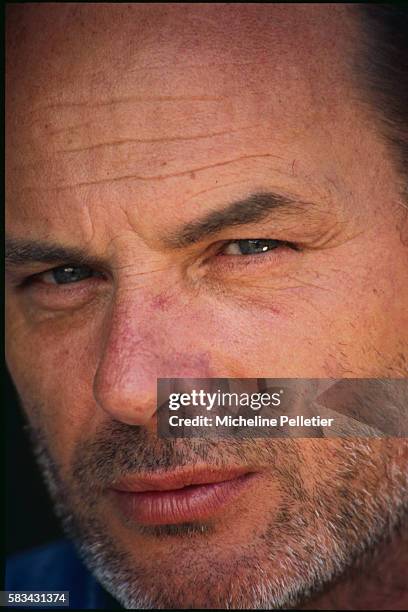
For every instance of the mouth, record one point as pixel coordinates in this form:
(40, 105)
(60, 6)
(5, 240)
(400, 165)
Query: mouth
(179, 496)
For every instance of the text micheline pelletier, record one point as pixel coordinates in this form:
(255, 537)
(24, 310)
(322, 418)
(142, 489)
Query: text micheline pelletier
(233, 401)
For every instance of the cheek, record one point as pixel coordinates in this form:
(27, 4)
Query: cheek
(333, 329)
(281, 335)
(53, 373)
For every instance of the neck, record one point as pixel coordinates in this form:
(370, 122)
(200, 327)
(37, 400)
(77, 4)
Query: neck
(378, 581)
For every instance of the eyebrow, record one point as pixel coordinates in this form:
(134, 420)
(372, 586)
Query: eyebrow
(252, 209)
(20, 252)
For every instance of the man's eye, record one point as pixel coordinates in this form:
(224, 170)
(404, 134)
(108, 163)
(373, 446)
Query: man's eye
(251, 247)
(66, 274)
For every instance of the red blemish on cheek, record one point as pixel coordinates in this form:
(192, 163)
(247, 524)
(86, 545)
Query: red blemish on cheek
(161, 302)
(274, 310)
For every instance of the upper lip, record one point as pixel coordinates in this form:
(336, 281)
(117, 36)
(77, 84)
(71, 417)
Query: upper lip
(176, 479)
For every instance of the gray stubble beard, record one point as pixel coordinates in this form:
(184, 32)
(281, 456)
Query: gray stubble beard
(311, 543)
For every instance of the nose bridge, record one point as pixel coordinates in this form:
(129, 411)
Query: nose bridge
(143, 342)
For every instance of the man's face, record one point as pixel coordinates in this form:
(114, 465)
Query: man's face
(152, 143)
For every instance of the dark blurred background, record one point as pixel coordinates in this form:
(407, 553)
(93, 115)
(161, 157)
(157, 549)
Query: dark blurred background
(29, 517)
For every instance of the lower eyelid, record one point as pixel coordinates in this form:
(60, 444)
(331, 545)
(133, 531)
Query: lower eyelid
(53, 297)
(39, 289)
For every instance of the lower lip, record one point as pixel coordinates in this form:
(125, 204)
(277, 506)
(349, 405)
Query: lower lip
(193, 503)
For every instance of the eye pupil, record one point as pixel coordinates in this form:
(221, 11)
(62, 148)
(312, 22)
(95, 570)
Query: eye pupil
(70, 274)
(251, 247)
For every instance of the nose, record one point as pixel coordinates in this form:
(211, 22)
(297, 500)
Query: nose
(139, 347)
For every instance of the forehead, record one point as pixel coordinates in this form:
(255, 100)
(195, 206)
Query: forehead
(167, 107)
(127, 37)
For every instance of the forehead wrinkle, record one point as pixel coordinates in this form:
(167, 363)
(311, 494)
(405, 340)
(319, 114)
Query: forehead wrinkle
(103, 172)
(135, 177)
(131, 130)
(126, 100)
(178, 138)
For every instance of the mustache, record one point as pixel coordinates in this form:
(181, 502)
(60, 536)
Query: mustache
(119, 450)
